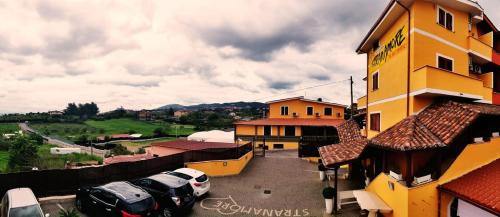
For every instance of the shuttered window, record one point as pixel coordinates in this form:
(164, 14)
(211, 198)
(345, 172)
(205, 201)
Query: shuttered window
(375, 122)
(445, 19)
(445, 63)
(375, 81)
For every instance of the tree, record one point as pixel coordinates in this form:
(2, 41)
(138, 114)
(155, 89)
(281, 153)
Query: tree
(4, 144)
(170, 112)
(22, 153)
(71, 110)
(158, 132)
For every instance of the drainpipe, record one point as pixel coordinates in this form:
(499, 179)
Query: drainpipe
(408, 65)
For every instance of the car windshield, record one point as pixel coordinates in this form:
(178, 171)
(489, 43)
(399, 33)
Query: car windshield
(183, 190)
(202, 178)
(140, 206)
(181, 175)
(26, 211)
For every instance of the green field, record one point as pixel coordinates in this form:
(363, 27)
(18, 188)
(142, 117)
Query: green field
(108, 127)
(8, 127)
(4, 159)
(133, 146)
(50, 161)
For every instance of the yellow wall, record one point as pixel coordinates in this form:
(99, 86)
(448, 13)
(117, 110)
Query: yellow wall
(222, 167)
(390, 113)
(422, 200)
(300, 107)
(245, 130)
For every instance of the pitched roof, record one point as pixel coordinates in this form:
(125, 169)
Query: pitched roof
(436, 126)
(479, 187)
(194, 145)
(293, 122)
(301, 98)
(351, 145)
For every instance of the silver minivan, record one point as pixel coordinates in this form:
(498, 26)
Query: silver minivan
(20, 202)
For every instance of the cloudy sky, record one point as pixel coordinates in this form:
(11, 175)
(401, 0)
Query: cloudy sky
(145, 54)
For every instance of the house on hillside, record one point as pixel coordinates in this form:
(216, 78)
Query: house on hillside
(292, 120)
(432, 126)
(180, 113)
(144, 115)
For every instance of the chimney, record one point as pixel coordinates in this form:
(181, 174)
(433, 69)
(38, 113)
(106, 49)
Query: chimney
(320, 99)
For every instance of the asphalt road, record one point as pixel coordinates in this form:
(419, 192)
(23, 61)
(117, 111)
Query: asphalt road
(279, 184)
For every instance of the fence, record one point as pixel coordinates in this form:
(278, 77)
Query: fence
(66, 181)
(217, 153)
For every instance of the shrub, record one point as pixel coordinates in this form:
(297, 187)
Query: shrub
(120, 150)
(68, 213)
(141, 151)
(328, 192)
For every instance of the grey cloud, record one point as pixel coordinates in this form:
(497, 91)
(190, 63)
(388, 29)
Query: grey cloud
(320, 77)
(80, 36)
(49, 10)
(142, 84)
(281, 85)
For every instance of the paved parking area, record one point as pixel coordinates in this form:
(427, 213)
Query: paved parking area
(279, 184)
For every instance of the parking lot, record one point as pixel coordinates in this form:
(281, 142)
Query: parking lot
(279, 184)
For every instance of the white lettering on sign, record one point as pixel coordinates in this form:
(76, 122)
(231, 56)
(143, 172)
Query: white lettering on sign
(227, 206)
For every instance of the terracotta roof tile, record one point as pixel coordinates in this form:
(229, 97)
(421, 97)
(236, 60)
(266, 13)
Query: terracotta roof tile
(351, 145)
(194, 145)
(293, 122)
(436, 126)
(479, 187)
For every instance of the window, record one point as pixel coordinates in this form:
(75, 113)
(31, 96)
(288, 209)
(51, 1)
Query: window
(289, 130)
(310, 110)
(284, 110)
(375, 121)
(445, 19)
(278, 146)
(375, 81)
(104, 197)
(328, 111)
(267, 130)
(445, 63)
(338, 114)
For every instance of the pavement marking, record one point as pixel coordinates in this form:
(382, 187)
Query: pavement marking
(228, 206)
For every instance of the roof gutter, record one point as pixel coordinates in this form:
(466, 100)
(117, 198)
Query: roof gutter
(408, 60)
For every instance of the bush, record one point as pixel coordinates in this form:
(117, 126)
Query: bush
(22, 153)
(68, 213)
(328, 192)
(120, 150)
(141, 151)
(321, 167)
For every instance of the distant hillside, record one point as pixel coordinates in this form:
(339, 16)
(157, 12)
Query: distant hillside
(229, 105)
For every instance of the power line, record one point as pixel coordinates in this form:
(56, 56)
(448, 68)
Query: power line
(297, 90)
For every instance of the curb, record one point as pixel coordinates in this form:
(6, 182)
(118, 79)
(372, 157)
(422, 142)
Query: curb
(56, 199)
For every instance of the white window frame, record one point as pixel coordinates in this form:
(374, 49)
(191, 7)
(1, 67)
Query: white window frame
(446, 57)
(379, 123)
(446, 12)
(307, 108)
(378, 80)
(287, 108)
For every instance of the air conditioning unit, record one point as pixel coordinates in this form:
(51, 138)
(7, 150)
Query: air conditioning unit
(422, 179)
(317, 114)
(395, 175)
(295, 114)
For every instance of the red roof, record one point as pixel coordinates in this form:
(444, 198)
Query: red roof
(479, 187)
(127, 158)
(293, 122)
(351, 145)
(120, 136)
(194, 145)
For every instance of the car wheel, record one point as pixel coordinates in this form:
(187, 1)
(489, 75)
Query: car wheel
(166, 212)
(79, 205)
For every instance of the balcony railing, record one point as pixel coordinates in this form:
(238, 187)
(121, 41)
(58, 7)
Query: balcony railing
(431, 81)
(480, 49)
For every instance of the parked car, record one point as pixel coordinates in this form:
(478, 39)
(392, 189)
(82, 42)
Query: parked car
(174, 195)
(20, 202)
(198, 180)
(115, 199)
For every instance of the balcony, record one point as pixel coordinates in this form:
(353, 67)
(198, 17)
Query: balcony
(362, 102)
(431, 81)
(481, 50)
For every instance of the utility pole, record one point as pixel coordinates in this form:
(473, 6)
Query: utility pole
(352, 110)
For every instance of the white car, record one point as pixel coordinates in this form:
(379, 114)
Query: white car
(20, 202)
(198, 180)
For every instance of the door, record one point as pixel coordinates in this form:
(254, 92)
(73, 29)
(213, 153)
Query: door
(104, 203)
(96, 206)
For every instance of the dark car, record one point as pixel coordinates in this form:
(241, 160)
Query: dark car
(174, 195)
(115, 199)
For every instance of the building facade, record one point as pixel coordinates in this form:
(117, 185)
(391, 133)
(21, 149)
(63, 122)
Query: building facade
(420, 51)
(288, 121)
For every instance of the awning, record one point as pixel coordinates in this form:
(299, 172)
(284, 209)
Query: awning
(371, 202)
(338, 154)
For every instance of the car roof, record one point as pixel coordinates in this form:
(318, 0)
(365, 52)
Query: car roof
(170, 180)
(126, 191)
(188, 171)
(20, 197)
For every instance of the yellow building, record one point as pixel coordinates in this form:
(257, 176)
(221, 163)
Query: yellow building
(290, 121)
(419, 51)
(431, 120)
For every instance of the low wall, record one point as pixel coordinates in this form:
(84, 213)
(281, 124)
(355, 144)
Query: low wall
(222, 167)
